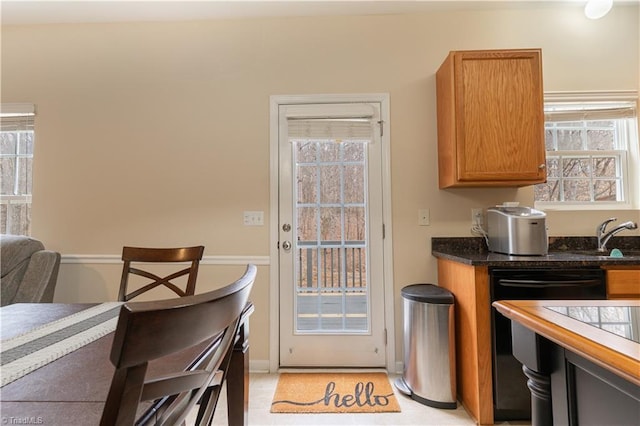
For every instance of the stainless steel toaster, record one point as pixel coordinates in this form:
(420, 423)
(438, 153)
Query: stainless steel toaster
(518, 231)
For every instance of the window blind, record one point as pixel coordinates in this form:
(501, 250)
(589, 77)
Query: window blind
(16, 117)
(330, 128)
(556, 112)
(334, 121)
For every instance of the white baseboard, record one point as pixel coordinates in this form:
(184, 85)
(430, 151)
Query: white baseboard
(259, 366)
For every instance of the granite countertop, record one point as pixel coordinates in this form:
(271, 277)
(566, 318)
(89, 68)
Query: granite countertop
(563, 251)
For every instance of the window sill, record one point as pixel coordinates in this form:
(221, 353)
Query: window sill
(567, 206)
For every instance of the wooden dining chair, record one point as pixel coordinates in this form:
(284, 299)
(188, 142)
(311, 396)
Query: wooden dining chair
(137, 255)
(150, 330)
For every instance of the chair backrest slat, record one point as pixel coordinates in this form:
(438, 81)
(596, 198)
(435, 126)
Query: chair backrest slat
(135, 255)
(151, 330)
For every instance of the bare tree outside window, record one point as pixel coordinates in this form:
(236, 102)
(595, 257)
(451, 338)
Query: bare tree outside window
(587, 153)
(331, 213)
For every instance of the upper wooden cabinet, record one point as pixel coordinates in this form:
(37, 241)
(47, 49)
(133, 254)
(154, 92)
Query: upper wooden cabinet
(491, 118)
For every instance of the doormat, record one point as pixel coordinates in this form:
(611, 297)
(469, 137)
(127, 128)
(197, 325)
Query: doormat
(334, 393)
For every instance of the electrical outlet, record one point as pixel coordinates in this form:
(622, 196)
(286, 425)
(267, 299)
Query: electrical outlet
(476, 217)
(423, 217)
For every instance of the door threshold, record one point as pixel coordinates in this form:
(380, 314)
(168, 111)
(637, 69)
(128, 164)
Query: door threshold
(332, 370)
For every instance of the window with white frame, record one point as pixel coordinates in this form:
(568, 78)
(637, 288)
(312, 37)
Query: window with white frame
(16, 167)
(592, 153)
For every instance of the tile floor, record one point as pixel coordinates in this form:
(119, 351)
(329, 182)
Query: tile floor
(262, 387)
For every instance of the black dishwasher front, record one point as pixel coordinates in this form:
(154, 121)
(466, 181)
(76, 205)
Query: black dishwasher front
(511, 397)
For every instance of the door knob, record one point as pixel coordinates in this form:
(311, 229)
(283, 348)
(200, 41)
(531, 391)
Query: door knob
(286, 245)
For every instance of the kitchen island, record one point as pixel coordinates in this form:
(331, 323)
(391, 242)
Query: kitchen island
(582, 359)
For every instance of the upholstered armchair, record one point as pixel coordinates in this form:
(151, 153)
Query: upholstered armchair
(28, 271)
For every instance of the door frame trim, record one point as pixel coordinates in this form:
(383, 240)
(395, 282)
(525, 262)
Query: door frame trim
(274, 300)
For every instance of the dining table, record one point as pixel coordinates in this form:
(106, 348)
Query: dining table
(71, 389)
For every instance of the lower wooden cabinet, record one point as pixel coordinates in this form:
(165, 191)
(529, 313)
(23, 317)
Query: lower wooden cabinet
(623, 283)
(470, 285)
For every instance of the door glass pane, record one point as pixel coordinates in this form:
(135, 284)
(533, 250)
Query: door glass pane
(307, 176)
(330, 183)
(331, 256)
(353, 177)
(354, 223)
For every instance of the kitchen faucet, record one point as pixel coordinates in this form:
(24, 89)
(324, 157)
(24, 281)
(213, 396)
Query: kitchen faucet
(604, 238)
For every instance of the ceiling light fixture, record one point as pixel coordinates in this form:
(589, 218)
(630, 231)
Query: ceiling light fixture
(596, 9)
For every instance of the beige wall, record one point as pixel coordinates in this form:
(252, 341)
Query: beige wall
(158, 133)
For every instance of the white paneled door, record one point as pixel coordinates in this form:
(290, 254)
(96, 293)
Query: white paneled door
(330, 232)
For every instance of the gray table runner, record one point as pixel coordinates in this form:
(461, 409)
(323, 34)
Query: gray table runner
(22, 354)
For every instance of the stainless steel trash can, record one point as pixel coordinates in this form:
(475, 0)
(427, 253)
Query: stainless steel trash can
(429, 374)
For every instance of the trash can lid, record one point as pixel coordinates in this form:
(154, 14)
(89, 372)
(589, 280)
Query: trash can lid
(428, 293)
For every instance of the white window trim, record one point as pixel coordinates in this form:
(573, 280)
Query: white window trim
(631, 174)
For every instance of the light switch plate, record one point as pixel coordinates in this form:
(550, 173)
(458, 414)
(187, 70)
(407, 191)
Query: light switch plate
(253, 218)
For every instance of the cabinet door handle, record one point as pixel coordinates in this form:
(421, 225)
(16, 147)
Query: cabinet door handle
(542, 166)
(549, 283)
